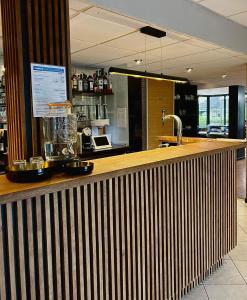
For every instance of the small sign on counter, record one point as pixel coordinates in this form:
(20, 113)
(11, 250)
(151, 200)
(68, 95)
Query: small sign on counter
(48, 86)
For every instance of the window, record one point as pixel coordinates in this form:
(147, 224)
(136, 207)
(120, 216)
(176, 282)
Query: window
(213, 114)
(202, 112)
(217, 110)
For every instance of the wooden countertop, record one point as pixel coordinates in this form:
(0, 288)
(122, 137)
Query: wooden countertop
(185, 140)
(115, 166)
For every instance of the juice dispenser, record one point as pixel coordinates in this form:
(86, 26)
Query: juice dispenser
(60, 133)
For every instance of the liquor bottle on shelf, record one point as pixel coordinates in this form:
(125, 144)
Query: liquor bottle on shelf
(105, 83)
(109, 85)
(3, 80)
(85, 83)
(74, 82)
(80, 84)
(90, 84)
(95, 85)
(100, 82)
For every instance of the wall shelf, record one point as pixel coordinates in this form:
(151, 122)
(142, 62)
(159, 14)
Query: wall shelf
(91, 94)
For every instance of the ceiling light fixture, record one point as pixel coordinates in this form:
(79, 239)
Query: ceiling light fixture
(139, 74)
(224, 76)
(138, 61)
(189, 70)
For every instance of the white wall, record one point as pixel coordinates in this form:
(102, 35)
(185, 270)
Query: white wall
(119, 100)
(215, 91)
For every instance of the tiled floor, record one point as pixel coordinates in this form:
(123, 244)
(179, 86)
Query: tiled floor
(230, 281)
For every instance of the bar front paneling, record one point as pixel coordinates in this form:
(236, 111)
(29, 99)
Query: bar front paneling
(148, 233)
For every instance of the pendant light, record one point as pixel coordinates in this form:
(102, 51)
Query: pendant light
(140, 74)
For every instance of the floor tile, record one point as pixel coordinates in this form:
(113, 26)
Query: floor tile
(226, 257)
(197, 293)
(226, 292)
(242, 267)
(242, 220)
(241, 234)
(227, 274)
(240, 252)
(242, 210)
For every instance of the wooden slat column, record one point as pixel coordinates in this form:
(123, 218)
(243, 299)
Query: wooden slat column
(33, 31)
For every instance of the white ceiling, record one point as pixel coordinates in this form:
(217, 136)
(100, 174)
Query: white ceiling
(101, 38)
(235, 10)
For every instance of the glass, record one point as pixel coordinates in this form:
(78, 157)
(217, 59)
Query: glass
(20, 164)
(37, 162)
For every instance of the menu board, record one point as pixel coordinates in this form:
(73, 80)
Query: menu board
(48, 86)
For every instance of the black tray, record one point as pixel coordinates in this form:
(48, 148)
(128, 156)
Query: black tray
(29, 175)
(79, 168)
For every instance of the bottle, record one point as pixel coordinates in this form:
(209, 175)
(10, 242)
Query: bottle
(90, 84)
(74, 83)
(80, 84)
(95, 84)
(109, 90)
(100, 82)
(105, 83)
(3, 80)
(85, 83)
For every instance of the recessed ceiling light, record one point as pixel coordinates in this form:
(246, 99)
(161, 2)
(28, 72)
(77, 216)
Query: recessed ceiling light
(138, 61)
(224, 76)
(189, 70)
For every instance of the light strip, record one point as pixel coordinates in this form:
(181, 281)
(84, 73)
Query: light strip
(139, 74)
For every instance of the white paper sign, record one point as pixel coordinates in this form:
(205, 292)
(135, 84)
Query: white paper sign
(122, 119)
(48, 86)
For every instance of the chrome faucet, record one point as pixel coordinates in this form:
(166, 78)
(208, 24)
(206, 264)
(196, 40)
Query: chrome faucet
(178, 122)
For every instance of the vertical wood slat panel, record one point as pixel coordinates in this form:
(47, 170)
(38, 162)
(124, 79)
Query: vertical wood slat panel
(133, 237)
(2, 275)
(93, 248)
(57, 247)
(65, 272)
(49, 246)
(40, 249)
(147, 220)
(106, 246)
(21, 253)
(141, 230)
(128, 227)
(143, 236)
(112, 249)
(87, 239)
(123, 226)
(73, 242)
(117, 219)
(138, 236)
(80, 244)
(31, 250)
(33, 31)
(100, 242)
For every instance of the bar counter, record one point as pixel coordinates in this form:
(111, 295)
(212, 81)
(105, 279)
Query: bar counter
(146, 225)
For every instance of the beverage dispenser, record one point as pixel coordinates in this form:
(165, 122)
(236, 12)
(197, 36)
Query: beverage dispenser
(60, 133)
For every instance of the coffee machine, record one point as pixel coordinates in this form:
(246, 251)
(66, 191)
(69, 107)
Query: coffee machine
(84, 139)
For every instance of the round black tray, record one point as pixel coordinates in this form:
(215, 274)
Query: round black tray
(79, 168)
(32, 175)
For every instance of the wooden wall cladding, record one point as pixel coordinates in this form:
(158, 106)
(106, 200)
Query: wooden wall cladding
(149, 234)
(160, 96)
(33, 31)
